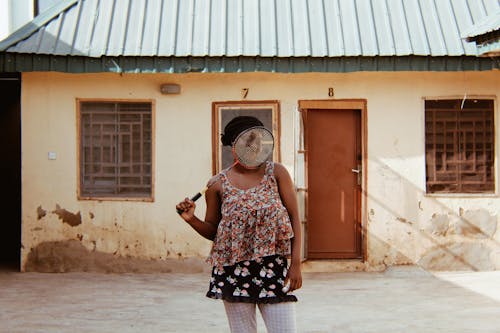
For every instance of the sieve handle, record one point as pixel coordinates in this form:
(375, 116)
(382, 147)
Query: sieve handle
(194, 198)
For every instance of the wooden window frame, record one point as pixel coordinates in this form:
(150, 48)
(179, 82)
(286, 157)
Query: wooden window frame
(81, 196)
(459, 157)
(217, 129)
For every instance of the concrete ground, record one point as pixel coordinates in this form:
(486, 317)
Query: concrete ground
(402, 299)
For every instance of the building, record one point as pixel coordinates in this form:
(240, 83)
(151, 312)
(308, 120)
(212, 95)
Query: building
(386, 116)
(486, 35)
(16, 13)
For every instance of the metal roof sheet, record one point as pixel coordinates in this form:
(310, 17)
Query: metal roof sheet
(489, 24)
(265, 28)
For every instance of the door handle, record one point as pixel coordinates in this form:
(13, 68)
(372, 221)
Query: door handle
(358, 173)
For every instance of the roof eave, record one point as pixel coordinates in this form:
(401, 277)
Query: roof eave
(44, 63)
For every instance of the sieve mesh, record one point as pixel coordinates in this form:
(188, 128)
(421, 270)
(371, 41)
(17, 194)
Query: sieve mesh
(253, 146)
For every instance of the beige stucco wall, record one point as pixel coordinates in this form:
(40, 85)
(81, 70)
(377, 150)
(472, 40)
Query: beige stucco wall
(403, 224)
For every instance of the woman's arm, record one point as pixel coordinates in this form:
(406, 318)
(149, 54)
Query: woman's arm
(289, 199)
(208, 227)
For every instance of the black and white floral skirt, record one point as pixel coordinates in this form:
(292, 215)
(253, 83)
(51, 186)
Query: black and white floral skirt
(251, 281)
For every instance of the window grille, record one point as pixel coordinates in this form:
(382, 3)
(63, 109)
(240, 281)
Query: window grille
(459, 144)
(115, 149)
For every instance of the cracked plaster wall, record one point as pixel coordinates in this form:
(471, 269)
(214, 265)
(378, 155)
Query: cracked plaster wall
(402, 224)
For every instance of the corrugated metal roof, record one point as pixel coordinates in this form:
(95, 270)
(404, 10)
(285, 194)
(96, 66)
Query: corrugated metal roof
(265, 28)
(488, 24)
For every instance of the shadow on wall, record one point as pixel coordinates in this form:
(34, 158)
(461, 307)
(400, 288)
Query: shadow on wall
(72, 256)
(412, 228)
(404, 228)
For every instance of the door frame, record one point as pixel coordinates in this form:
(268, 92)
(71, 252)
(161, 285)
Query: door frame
(340, 104)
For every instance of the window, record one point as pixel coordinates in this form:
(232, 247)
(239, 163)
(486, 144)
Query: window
(459, 146)
(223, 112)
(115, 149)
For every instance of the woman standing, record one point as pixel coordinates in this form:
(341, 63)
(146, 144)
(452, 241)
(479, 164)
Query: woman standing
(252, 218)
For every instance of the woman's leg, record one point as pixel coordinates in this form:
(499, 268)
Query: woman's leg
(279, 317)
(241, 317)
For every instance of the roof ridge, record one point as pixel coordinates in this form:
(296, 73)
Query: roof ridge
(29, 28)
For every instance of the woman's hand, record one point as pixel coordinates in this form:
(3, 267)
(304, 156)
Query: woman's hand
(187, 207)
(294, 277)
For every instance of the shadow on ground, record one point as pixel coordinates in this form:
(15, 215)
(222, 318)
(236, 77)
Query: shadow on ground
(402, 299)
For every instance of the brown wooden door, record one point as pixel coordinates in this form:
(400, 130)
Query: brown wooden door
(333, 145)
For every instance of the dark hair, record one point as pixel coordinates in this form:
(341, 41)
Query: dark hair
(236, 126)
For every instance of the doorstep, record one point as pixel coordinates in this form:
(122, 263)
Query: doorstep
(332, 265)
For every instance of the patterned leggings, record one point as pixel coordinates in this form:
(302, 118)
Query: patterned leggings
(278, 317)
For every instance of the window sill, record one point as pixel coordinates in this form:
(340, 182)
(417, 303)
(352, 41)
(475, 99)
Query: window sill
(461, 195)
(115, 199)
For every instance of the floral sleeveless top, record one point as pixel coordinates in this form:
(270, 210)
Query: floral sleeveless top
(254, 222)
